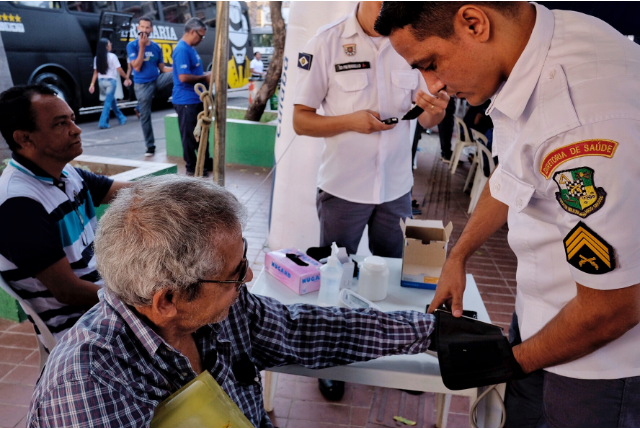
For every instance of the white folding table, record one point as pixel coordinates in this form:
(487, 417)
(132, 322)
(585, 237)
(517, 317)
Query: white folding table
(412, 372)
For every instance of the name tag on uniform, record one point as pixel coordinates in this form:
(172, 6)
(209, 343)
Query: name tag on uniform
(353, 66)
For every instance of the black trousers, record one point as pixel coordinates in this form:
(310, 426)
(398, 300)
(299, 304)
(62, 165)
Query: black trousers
(187, 120)
(545, 399)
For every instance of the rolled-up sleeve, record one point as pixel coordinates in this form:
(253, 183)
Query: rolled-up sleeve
(318, 337)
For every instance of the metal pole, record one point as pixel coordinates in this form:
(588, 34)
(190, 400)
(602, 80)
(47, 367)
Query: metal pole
(221, 64)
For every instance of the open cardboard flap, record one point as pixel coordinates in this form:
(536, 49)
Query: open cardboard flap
(424, 252)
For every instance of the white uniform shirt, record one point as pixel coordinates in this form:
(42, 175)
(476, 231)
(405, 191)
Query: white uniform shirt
(112, 71)
(256, 65)
(362, 168)
(567, 133)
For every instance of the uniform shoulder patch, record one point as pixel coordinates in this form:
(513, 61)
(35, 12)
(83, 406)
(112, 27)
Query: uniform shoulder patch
(304, 61)
(588, 252)
(578, 194)
(579, 149)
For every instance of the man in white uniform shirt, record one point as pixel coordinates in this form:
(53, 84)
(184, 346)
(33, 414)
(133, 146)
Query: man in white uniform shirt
(257, 67)
(365, 176)
(566, 108)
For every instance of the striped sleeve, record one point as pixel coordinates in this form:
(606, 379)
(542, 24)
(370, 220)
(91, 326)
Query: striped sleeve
(98, 185)
(30, 238)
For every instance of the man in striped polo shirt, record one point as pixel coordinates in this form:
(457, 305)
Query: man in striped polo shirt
(47, 216)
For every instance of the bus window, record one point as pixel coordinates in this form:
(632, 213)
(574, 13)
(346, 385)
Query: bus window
(140, 9)
(39, 4)
(177, 12)
(91, 6)
(206, 11)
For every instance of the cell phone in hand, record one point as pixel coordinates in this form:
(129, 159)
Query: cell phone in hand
(413, 113)
(390, 121)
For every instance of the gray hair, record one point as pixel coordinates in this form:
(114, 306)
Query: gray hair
(164, 232)
(194, 24)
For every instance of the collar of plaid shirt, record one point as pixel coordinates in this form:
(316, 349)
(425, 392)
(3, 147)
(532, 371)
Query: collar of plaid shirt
(111, 369)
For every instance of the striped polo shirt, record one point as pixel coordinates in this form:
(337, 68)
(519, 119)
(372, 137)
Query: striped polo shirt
(42, 220)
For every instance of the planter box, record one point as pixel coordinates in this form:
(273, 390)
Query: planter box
(124, 170)
(248, 142)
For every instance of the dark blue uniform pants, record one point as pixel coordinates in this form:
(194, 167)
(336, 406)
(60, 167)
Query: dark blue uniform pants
(544, 399)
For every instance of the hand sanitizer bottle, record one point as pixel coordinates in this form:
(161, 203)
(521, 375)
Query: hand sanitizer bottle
(330, 279)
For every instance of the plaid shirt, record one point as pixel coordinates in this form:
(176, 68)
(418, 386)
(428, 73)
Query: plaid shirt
(111, 369)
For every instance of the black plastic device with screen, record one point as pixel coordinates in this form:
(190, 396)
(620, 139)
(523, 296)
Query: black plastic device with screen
(390, 121)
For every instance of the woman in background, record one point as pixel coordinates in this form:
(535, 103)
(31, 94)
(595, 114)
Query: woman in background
(106, 68)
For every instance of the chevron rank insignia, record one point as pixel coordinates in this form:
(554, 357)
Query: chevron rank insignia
(578, 193)
(588, 252)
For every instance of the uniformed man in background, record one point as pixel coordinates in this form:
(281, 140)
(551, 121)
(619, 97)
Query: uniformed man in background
(566, 110)
(365, 177)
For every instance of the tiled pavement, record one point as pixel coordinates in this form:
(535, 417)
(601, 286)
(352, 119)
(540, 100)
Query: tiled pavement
(298, 402)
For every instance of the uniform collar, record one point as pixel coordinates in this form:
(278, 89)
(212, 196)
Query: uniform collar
(513, 96)
(30, 168)
(353, 27)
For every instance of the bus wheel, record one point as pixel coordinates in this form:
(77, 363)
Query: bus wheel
(58, 84)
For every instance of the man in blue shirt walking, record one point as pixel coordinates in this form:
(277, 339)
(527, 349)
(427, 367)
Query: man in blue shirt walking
(187, 71)
(146, 60)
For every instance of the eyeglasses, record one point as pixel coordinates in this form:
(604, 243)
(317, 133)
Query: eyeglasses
(244, 269)
(201, 35)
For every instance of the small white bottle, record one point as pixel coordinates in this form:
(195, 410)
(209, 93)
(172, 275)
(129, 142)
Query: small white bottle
(374, 278)
(330, 279)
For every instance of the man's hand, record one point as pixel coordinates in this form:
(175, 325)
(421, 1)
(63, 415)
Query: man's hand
(92, 88)
(144, 39)
(127, 82)
(432, 105)
(367, 122)
(451, 286)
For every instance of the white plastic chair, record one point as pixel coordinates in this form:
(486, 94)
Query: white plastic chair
(46, 341)
(463, 139)
(480, 180)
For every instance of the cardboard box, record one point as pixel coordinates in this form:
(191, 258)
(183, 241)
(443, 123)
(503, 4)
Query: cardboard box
(424, 253)
(300, 279)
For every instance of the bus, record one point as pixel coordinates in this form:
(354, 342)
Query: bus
(54, 42)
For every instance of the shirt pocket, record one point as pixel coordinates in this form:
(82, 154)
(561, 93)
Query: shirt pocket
(404, 83)
(510, 190)
(351, 82)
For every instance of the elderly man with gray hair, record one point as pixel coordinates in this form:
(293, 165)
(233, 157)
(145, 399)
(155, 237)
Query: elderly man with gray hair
(173, 259)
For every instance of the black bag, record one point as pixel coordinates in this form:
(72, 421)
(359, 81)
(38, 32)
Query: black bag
(472, 353)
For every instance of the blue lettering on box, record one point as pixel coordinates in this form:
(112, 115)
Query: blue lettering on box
(280, 269)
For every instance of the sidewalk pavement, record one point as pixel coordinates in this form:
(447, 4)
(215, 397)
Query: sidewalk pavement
(298, 403)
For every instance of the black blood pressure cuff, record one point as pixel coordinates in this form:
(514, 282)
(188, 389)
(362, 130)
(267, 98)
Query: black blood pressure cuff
(472, 353)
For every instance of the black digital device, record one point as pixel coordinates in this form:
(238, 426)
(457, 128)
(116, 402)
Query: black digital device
(390, 121)
(413, 113)
(472, 353)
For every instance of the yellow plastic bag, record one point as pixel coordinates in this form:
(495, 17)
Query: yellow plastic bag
(199, 404)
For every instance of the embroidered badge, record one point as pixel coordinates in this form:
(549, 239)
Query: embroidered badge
(350, 49)
(576, 150)
(353, 66)
(578, 193)
(304, 61)
(588, 252)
